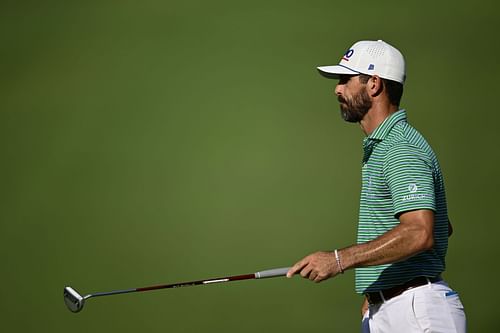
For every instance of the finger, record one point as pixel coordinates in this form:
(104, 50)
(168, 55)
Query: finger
(306, 271)
(296, 268)
(318, 278)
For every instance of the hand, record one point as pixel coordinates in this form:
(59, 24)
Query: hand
(316, 267)
(364, 307)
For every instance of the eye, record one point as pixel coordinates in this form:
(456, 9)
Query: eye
(344, 78)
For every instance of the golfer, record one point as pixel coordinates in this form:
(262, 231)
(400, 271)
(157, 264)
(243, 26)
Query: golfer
(403, 225)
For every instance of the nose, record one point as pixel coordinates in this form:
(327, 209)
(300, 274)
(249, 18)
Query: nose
(338, 89)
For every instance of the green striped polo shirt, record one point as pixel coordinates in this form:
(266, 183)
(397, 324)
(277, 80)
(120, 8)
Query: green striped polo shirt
(400, 173)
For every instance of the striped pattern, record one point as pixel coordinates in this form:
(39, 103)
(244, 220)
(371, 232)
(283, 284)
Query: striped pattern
(400, 173)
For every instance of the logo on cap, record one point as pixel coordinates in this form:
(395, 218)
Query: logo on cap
(348, 54)
(371, 67)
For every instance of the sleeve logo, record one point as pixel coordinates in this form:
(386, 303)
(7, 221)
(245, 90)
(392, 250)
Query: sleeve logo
(412, 188)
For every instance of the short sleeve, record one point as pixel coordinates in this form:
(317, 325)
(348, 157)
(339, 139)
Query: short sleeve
(408, 173)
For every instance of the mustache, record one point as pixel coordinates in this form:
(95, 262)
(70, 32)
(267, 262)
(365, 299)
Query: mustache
(341, 99)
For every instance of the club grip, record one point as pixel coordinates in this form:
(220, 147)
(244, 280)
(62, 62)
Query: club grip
(272, 273)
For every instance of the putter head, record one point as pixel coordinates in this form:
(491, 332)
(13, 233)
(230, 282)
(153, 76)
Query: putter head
(74, 301)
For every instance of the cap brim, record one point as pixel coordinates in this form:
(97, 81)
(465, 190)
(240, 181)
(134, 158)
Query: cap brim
(333, 72)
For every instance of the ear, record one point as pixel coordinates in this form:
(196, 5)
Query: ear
(375, 86)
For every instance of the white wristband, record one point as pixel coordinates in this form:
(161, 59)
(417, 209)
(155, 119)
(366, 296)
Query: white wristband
(337, 258)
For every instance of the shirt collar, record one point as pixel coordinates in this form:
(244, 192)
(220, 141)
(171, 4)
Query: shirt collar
(385, 127)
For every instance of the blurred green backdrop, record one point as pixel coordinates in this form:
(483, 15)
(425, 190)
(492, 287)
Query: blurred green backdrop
(149, 142)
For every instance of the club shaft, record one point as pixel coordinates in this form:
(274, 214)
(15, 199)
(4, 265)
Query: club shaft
(108, 293)
(175, 285)
(258, 275)
(199, 282)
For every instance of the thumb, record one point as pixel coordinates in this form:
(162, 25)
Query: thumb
(296, 268)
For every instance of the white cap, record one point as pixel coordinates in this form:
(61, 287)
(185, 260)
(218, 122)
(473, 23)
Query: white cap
(371, 58)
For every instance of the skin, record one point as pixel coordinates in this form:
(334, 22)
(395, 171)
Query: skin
(414, 233)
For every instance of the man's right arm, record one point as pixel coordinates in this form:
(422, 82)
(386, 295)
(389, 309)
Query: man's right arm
(414, 234)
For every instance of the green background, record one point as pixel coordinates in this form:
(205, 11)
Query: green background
(148, 142)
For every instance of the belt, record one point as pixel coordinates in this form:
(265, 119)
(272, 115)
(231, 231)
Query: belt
(386, 294)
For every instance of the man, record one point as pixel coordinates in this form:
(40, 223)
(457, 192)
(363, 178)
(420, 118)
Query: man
(403, 225)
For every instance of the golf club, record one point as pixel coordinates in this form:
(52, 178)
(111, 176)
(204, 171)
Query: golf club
(75, 301)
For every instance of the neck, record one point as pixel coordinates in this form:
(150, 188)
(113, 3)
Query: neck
(375, 116)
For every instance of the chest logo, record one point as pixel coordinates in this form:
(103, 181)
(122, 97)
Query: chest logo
(412, 188)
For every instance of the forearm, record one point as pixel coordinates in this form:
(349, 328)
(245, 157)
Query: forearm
(413, 235)
(402, 242)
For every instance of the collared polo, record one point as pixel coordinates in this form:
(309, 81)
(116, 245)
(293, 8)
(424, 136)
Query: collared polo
(400, 173)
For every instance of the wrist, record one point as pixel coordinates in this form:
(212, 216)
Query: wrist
(338, 259)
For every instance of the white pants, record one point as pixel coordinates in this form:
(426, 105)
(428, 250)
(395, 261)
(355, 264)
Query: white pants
(430, 308)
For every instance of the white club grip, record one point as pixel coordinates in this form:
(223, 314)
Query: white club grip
(272, 273)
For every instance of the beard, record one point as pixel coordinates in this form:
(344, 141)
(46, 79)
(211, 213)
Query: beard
(353, 109)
